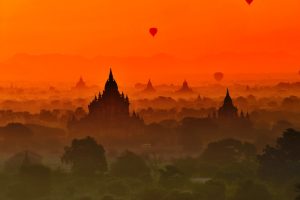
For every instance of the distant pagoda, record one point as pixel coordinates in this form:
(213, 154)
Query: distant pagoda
(228, 110)
(185, 88)
(149, 88)
(80, 84)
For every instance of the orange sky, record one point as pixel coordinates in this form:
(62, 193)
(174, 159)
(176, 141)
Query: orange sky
(199, 36)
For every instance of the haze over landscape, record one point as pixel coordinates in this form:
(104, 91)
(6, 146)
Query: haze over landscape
(151, 99)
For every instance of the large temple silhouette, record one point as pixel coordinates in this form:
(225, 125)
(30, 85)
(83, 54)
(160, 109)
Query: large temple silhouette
(108, 113)
(229, 113)
(111, 105)
(228, 110)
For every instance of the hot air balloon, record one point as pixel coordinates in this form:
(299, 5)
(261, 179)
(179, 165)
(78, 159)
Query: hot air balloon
(153, 31)
(219, 76)
(249, 1)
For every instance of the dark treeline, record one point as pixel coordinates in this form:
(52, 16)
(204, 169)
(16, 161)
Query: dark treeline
(226, 169)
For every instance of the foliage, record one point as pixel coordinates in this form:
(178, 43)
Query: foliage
(85, 157)
(211, 190)
(228, 151)
(249, 190)
(33, 182)
(282, 161)
(171, 177)
(129, 177)
(150, 194)
(179, 195)
(130, 165)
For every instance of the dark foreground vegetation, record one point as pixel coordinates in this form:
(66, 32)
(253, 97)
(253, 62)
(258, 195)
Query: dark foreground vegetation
(227, 169)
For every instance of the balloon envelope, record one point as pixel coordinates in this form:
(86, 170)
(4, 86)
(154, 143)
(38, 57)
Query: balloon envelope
(249, 1)
(219, 76)
(153, 31)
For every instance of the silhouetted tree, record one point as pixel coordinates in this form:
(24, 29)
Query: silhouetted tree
(47, 115)
(191, 132)
(107, 197)
(130, 165)
(250, 191)
(298, 191)
(179, 195)
(150, 194)
(33, 182)
(281, 126)
(171, 177)
(80, 113)
(117, 187)
(211, 190)
(236, 172)
(228, 151)
(16, 131)
(85, 198)
(85, 156)
(281, 161)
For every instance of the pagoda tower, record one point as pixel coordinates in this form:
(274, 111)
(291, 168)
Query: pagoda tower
(228, 110)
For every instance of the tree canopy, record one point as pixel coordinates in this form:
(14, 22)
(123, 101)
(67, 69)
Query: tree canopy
(85, 156)
(130, 165)
(282, 160)
(228, 151)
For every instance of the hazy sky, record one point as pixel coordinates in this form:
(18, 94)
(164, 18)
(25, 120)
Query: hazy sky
(234, 36)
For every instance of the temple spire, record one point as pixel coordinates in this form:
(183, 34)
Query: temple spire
(227, 93)
(228, 110)
(228, 99)
(111, 77)
(185, 88)
(149, 87)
